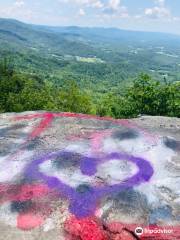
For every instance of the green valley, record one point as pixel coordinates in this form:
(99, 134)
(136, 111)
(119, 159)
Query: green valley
(99, 65)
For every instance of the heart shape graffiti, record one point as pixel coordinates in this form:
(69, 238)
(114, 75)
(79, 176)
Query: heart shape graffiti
(83, 200)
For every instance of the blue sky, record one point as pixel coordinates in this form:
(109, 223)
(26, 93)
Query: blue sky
(148, 15)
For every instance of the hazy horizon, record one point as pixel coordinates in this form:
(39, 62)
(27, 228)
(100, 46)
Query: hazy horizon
(102, 27)
(149, 16)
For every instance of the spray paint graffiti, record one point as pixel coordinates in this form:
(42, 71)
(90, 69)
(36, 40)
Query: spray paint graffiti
(90, 165)
(83, 202)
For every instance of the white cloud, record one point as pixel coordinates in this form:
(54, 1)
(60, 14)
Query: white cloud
(116, 9)
(157, 12)
(81, 12)
(114, 4)
(86, 3)
(160, 2)
(109, 7)
(19, 3)
(176, 19)
(98, 4)
(17, 10)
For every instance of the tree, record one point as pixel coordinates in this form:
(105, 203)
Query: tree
(173, 100)
(144, 95)
(20, 92)
(71, 99)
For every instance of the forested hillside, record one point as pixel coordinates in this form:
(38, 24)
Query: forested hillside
(23, 92)
(90, 70)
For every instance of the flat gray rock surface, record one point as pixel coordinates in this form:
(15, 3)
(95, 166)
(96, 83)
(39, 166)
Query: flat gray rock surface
(78, 177)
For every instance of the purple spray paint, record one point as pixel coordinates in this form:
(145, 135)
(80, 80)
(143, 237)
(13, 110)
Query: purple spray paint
(83, 203)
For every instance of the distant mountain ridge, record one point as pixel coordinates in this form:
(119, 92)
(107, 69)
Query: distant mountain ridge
(89, 55)
(18, 36)
(91, 33)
